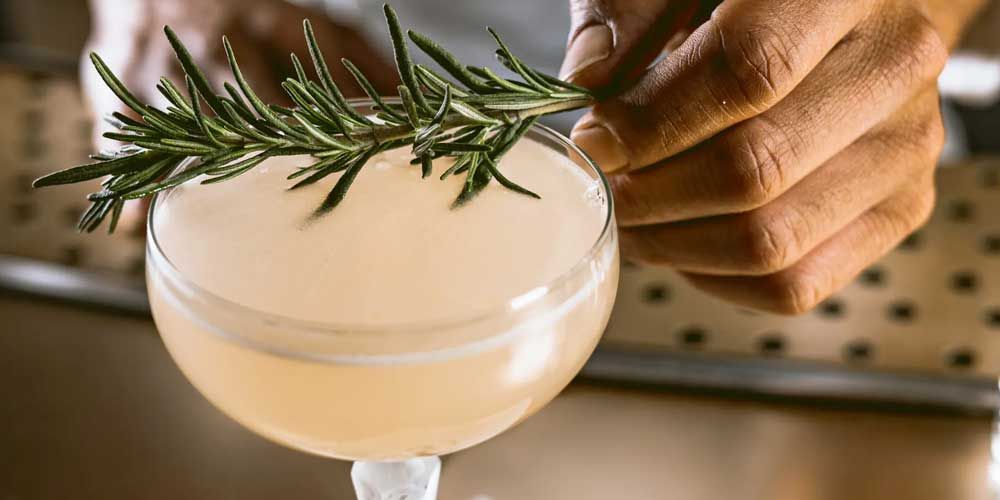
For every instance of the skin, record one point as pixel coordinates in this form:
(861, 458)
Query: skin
(780, 149)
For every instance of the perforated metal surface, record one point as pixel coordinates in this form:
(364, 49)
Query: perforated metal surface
(932, 308)
(45, 127)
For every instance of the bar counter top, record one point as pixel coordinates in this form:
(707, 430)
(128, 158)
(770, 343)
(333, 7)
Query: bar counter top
(93, 407)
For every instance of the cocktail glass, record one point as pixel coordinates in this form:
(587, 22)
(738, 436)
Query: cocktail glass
(391, 398)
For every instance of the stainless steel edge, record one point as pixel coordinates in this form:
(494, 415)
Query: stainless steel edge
(791, 378)
(86, 287)
(761, 376)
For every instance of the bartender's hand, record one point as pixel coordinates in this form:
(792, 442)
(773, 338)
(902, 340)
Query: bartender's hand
(784, 146)
(129, 36)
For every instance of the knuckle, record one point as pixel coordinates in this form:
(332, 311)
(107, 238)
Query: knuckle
(929, 46)
(794, 292)
(925, 52)
(907, 213)
(922, 206)
(754, 163)
(759, 62)
(931, 135)
(921, 138)
(768, 243)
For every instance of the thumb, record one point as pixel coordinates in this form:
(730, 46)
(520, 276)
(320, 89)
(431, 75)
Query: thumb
(614, 40)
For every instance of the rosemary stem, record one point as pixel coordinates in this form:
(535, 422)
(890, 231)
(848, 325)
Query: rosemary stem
(378, 135)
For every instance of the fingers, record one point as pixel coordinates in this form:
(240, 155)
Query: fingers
(830, 266)
(781, 149)
(279, 27)
(612, 40)
(777, 235)
(752, 163)
(750, 55)
(118, 33)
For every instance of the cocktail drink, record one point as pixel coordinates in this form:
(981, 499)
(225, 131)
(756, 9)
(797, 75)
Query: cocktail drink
(413, 318)
(395, 328)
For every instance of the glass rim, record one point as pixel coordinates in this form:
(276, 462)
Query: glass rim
(162, 263)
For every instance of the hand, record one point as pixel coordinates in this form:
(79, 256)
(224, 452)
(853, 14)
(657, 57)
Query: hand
(263, 32)
(783, 147)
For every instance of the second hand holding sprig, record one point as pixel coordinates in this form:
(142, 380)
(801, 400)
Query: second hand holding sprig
(475, 121)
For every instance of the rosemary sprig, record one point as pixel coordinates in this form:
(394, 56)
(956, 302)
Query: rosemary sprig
(474, 117)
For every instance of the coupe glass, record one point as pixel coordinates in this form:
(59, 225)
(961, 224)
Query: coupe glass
(390, 398)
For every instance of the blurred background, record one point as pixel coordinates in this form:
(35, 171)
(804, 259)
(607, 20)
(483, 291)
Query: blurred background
(886, 390)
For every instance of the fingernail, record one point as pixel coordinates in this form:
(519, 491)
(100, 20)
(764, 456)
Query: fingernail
(592, 44)
(601, 145)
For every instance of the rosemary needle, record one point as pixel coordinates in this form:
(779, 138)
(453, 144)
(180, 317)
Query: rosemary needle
(474, 117)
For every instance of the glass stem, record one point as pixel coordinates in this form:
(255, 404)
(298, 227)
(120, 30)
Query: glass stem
(413, 479)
